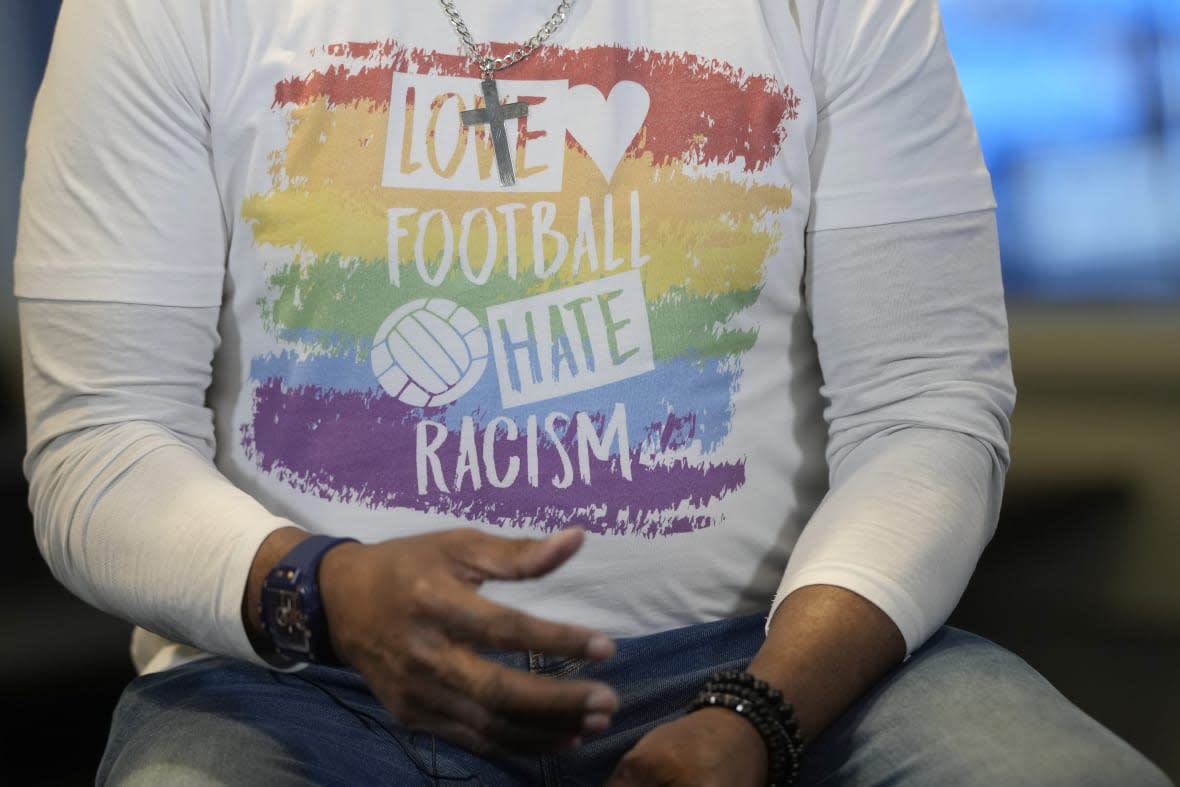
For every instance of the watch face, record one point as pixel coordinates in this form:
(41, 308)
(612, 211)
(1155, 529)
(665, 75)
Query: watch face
(290, 629)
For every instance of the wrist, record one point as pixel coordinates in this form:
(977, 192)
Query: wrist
(292, 608)
(824, 648)
(740, 739)
(762, 708)
(340, 593)
(270, 551)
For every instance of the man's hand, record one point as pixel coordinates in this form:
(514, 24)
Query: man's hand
(826, 646)
(406, 615)
(710, 748)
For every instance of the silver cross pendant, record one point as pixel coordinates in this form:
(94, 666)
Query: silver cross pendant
(494, 114)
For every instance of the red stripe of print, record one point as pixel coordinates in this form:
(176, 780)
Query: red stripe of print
(701, 109)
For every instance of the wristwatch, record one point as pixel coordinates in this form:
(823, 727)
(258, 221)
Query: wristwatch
(292, 612)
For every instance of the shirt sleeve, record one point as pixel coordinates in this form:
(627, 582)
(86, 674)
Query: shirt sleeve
(129, 511)
(911, 330)
(903, 287)
(894, 139)
(119, 201)
(119, 275)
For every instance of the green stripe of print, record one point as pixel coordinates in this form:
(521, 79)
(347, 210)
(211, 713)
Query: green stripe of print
(337, 305)
(685, 326)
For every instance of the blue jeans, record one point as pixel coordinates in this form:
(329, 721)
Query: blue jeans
(962, 711)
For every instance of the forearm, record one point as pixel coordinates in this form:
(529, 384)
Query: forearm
(144, 528)
(910, 327)
(879, 567)
(903, 526)
(824, 648)
(130, 512)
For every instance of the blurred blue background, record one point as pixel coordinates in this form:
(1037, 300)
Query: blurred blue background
(25, 32)
(1078, 108)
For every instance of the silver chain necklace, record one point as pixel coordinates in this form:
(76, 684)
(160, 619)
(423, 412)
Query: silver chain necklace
(489, 65)
(493, 112)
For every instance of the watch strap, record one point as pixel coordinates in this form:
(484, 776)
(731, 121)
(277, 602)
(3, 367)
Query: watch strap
(297, 576)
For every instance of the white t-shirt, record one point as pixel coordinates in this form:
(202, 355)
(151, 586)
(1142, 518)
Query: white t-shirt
(624, 340)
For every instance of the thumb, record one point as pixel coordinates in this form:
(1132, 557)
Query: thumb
(496, 557)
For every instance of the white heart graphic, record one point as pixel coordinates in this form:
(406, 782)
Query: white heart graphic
(605, 127)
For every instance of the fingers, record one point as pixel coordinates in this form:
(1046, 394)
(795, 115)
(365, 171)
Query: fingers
(520, 695)
(495, 557)
(415, 616)
(494, 709)
(467, 617)
(462, 719)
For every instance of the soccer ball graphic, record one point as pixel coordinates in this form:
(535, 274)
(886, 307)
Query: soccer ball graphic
(429, 352)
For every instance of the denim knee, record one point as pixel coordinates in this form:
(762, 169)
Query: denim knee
(963, 711)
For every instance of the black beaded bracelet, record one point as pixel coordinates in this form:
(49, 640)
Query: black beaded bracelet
(765, 709)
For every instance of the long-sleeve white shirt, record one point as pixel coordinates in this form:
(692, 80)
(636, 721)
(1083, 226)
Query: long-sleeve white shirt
(215, 345)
